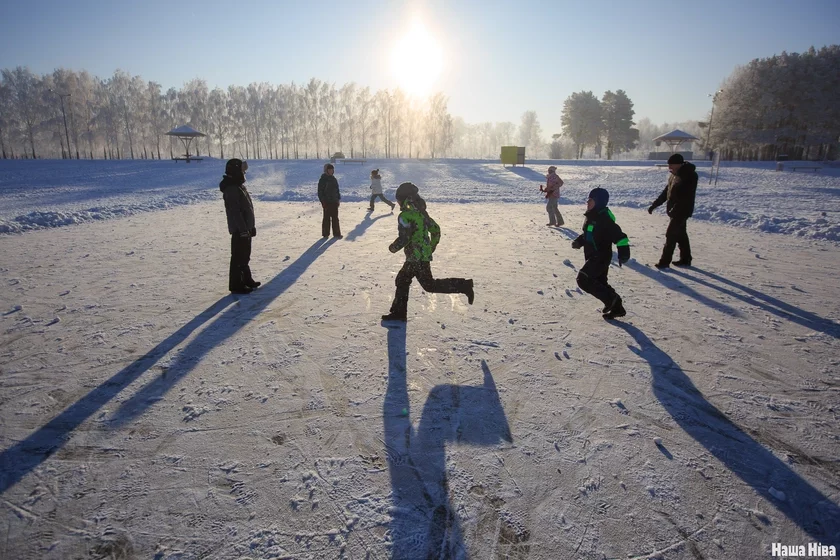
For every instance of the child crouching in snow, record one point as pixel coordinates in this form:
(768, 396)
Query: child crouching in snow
(599, 233)
(419, 235)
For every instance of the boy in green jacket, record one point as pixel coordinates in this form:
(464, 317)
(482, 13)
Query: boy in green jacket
(599, 233)
(419, 235)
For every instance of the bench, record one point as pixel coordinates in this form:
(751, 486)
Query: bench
(814, 167)
(187, 159)
(661, 165)
(346, 160)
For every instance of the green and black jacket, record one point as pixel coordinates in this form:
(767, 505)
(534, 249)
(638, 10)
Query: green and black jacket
(599, 233)
(419, 234)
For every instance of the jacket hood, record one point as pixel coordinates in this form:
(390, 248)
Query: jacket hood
(686, 168)
(228, 181)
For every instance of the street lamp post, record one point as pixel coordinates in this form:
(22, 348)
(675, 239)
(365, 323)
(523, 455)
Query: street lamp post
(61, 97)
(711, 115)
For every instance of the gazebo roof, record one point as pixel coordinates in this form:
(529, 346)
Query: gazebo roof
(676, 135)
(185, 131)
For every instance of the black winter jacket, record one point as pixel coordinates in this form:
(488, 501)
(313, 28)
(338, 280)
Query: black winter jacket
(328, 192)
(238, 206)
(680, 192)
(599, 233)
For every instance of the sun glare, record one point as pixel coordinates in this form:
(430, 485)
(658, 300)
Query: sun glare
(417, 61)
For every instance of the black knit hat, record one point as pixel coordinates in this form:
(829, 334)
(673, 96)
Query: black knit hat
(676, 158)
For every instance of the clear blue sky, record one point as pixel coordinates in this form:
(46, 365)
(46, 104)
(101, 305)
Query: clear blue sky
(500, 58)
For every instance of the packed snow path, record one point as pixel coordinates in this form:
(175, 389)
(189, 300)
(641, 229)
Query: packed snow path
(148, 413)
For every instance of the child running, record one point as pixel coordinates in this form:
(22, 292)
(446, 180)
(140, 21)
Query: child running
(599, 233)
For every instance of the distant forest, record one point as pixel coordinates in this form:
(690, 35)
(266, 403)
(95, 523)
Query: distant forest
(786, 104)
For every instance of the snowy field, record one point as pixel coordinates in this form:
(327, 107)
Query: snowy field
(147, 413)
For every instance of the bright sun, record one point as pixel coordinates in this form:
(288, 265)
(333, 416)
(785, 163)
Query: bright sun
(417, 60)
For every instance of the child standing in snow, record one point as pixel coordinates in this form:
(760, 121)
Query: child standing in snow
(376, 190)
(553, 182)
(599, 233)
(419, 235)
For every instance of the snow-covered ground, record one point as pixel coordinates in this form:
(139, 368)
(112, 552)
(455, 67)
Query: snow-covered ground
(147, 413)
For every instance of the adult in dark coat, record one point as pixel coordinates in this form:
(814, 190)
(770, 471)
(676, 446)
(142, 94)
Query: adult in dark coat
(599, 233)
(678, 195)
(330, 198)
(241, 226)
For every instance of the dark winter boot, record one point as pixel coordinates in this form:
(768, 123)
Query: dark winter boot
(253, 283)
(660, 265)
(394, 317)
(469, 292)
(617, 310)
(611, 304)
(682, 262)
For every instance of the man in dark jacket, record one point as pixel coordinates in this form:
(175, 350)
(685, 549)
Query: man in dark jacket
(679, 194)
(418, 237)
(330, 198)
(599, 233)
(240, 220)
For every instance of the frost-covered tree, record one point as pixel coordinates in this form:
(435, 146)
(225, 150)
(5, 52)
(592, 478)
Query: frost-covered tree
(530, 134)
(582, 120)
(786, 103)
(619, 134)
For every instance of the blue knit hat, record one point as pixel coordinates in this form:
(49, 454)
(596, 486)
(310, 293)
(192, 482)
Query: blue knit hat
(600, 196)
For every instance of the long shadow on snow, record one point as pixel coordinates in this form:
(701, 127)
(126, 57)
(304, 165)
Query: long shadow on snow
(765, 302)
(20, 459)
(672, 283)
(228, 324)
(527, 173)
(423, 523)
(23, 457)
(362, 226)
(803, 504)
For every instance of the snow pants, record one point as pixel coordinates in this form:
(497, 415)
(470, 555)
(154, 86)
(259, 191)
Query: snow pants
(554, 217)
(423, 272)
(676, 234)
(330, 216)
(381, 196)
(592, 279)
(240, 256)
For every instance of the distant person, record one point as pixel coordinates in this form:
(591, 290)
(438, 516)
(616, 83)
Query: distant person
(330, 198)
(553, 182)
(376, 190)
(599, 233)
(418, 236)
(241, 226)
(679, 194)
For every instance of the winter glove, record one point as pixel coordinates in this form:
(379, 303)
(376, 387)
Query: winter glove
(622, 261)
(393, 248)
(651, 208)
(253, 232)
(245, 234)
(623, 255)
(577, 243)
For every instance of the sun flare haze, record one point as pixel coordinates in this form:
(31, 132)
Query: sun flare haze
(417, 60)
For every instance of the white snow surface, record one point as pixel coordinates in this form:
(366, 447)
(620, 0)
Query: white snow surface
(145, 412)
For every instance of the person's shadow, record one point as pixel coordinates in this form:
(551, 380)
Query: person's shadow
(767, 303)
(362, 226)
(423, 522)
(749, 460)
(673, 283)
(20, 459)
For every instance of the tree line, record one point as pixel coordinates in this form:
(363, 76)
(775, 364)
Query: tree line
(76, 115)
(785, 104)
